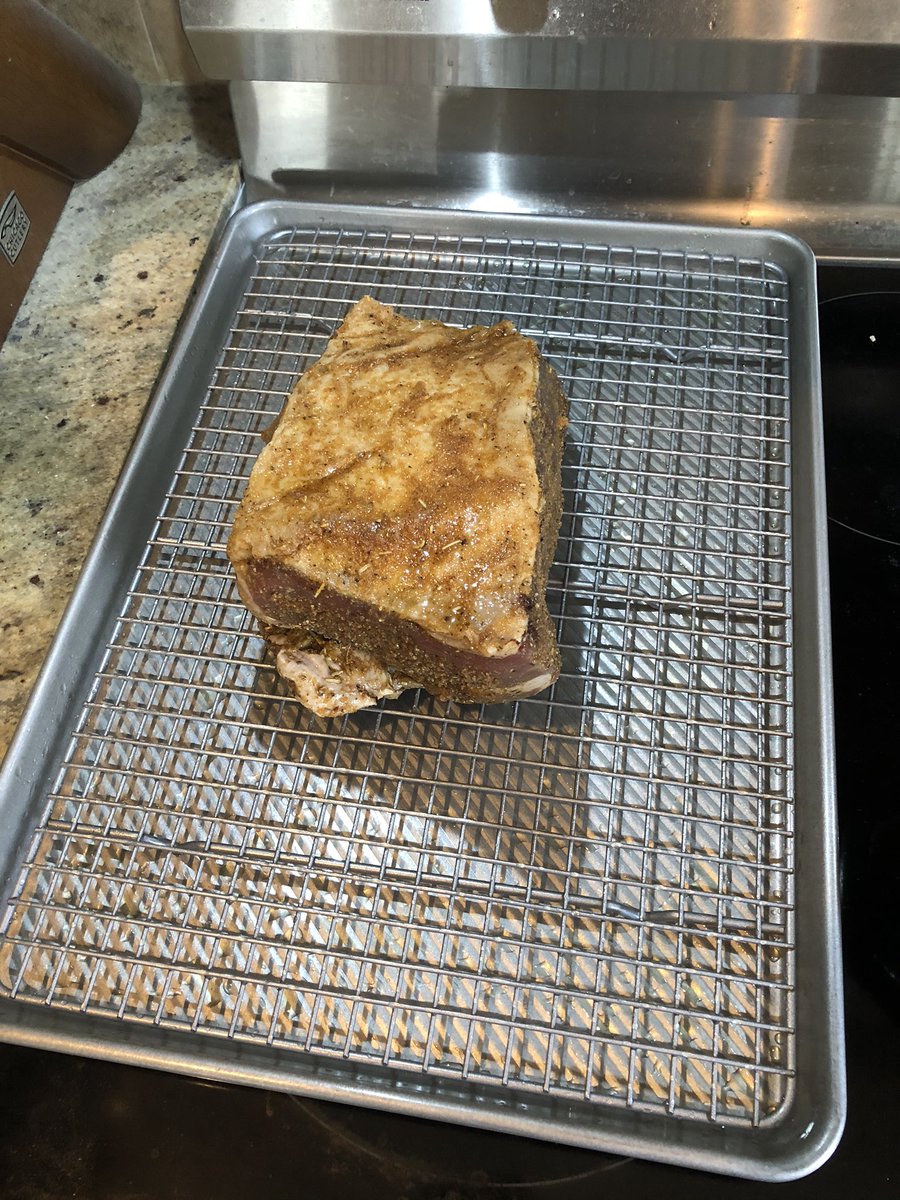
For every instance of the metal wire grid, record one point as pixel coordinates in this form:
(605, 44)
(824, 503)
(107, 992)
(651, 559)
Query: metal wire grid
(586, 893)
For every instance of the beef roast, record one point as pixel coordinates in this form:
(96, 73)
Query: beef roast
(407, 507)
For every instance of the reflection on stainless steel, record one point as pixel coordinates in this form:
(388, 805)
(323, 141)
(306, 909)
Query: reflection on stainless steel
(729, 45)
(333, 131)
(735, 112)
(826, 167)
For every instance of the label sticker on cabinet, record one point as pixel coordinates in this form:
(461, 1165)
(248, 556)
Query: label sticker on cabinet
(14, 226)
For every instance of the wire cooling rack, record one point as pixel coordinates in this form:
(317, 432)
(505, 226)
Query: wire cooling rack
(587, 894)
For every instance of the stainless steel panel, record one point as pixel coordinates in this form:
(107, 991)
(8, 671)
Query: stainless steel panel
(606, 915)
(824, 167)
(727, 46)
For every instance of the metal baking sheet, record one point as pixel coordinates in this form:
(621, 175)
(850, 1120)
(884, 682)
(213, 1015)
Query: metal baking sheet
(605, 915)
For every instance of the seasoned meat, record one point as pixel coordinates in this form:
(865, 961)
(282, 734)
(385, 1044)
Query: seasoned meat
(329, 678)
(407, 505)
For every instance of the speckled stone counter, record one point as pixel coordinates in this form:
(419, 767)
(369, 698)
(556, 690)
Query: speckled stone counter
(79, 365)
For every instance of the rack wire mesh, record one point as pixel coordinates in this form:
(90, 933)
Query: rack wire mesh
(587, 893)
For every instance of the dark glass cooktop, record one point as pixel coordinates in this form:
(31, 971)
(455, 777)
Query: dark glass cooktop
(860, 334)
(77, 1128)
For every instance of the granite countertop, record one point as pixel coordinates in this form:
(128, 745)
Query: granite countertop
(79, 364)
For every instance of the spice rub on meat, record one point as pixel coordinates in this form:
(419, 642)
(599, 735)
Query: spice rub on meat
(407, 508)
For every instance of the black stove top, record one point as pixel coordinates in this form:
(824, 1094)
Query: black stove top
(859, 318)
(77, 1128)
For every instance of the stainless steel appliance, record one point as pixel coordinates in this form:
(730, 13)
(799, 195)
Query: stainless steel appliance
(766, 114)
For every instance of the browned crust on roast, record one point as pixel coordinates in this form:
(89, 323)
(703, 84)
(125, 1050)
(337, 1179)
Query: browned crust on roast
(283, 598)
(548, 426)
(281, 594)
